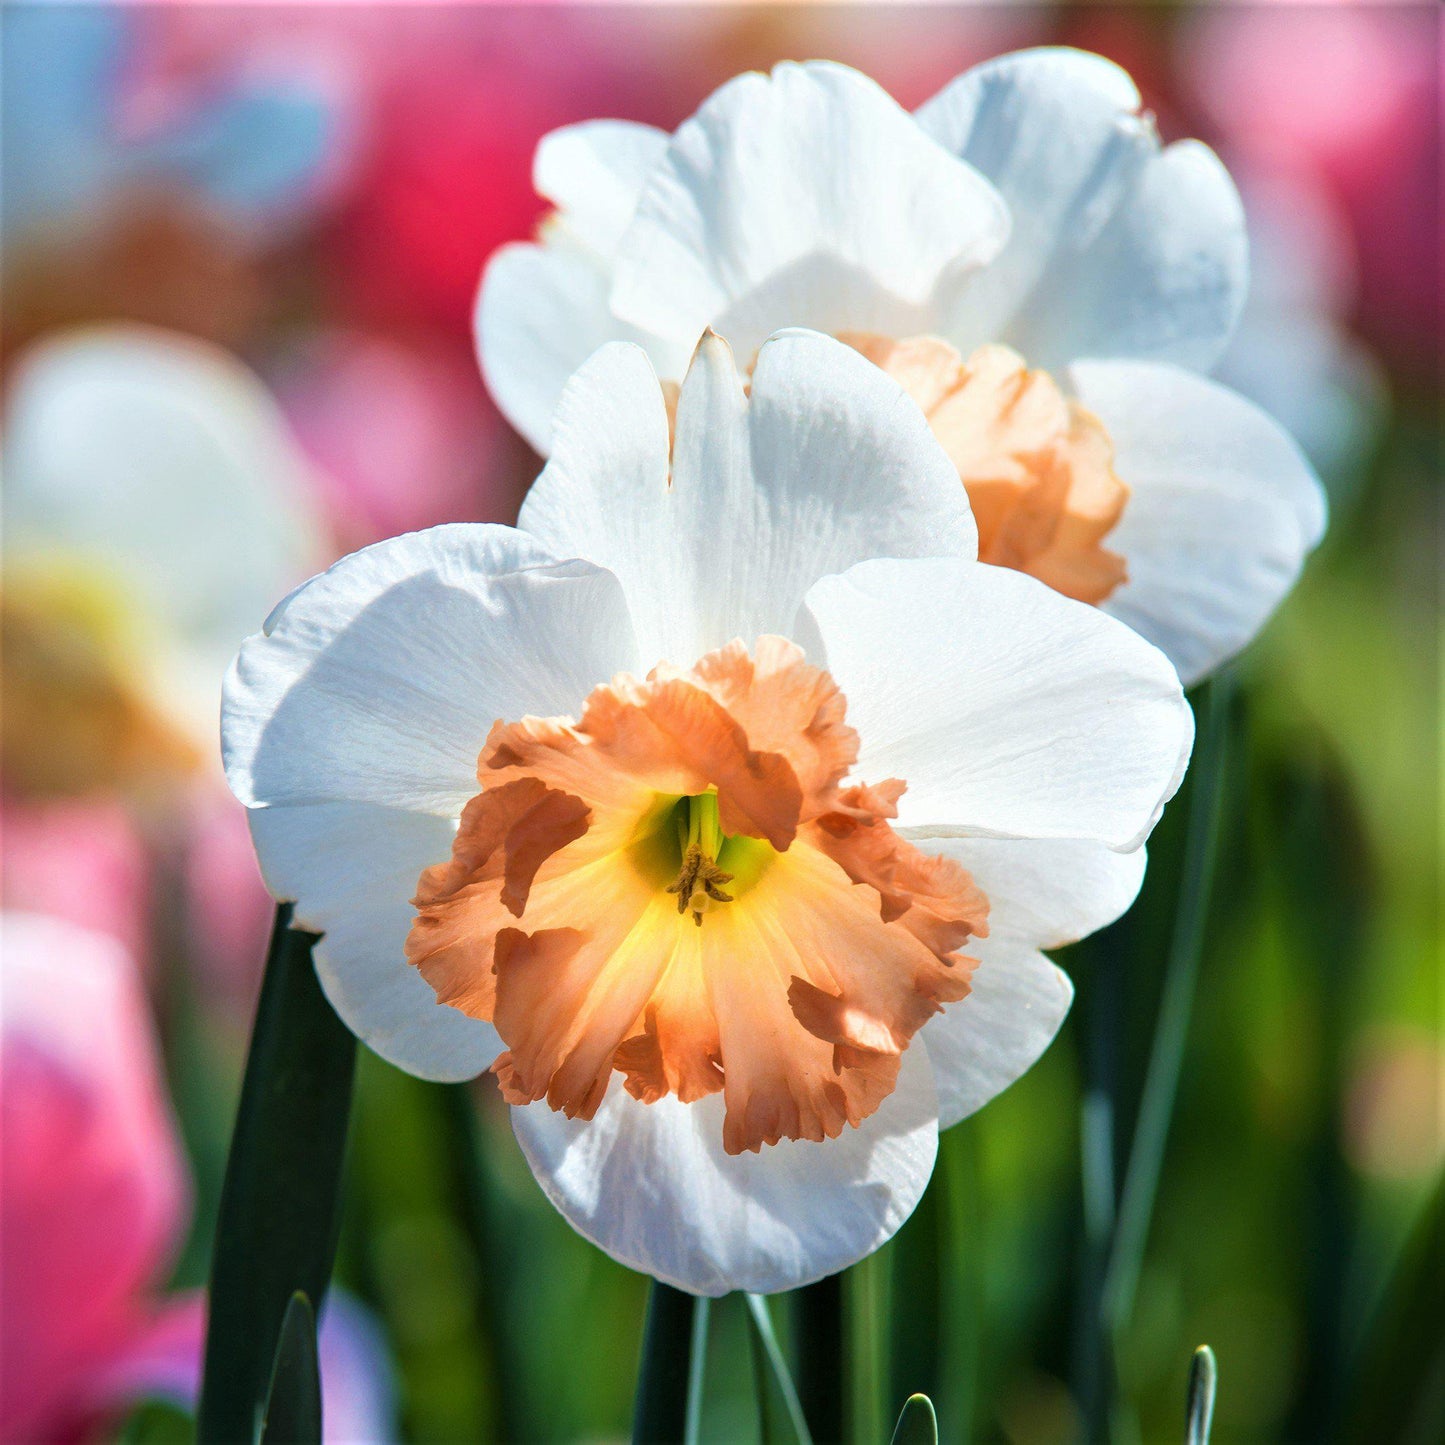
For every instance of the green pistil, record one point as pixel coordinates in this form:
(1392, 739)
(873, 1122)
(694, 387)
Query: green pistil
(699, 881)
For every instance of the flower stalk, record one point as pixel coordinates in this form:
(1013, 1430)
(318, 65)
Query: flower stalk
(669, 1383)
(1166, 1059)
(279, 1216)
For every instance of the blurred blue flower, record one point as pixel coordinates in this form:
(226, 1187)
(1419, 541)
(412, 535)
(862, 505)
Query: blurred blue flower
(252, 150)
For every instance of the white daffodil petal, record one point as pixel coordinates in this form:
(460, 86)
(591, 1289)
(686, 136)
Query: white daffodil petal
(593, 173)
(1118, 248)
(981, 1044)
(1049, 891)
(165, 462)
(1009, 710)
(352, 869)
(773, 169)
(824, 463)
(651, 1185)
(377, 682)
(1223, 508)
(540, 313)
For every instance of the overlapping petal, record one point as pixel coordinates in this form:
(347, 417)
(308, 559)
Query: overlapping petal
(651, 1184)
(378, 681)
(352, 727)
(594, 173)
(823, 463)
(1223, 511)
(1119, 248)
(736, 200)
(95, 1190)
(980, 1046)
(1009, 710)
(541, 312)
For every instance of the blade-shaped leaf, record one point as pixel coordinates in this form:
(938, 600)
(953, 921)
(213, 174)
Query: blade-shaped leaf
(671, 1371)
(917, 1424)
(1397, 1392)
(293, 1403)
(1199, 1405)
(821, 1343)
(276, 1231)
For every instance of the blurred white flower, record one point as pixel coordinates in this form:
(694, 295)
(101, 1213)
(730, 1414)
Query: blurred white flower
(677, 877)
(155, 506)
(1025, 217)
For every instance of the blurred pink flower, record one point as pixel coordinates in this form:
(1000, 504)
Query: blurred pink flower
(94, 1200)
(1348, 92)
(229, 912)
(84, 862)
(401, 434)
(93, 1188)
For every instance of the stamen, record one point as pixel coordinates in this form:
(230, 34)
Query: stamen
(699, 881)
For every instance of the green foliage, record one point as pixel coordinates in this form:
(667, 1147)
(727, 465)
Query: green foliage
(293, 1402)
(917, 1423)
(1199, 1403)
(279, 1208)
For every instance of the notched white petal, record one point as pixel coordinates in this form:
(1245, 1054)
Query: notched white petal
(812, 161)
(821, 462)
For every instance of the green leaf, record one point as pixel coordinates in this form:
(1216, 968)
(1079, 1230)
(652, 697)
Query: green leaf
(293, 1403)
(669, 1383)
(868, 1301)
(276, 1232)
(1397, 1390)
(1199, 1405)
(917, 1424)
(778, 1406)
(1176, 1006)
(821, 1346)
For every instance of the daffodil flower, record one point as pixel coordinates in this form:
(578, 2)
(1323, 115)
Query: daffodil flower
(1045, 280)
(723, 809)
(154, 503)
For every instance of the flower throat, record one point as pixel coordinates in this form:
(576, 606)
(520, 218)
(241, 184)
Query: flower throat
(699, 881)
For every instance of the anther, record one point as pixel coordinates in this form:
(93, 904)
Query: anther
(698, 884)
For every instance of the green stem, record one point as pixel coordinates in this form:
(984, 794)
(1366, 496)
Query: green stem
(1161, 1082)
(818, 1327)
(277, 1227)
(868, 1312)
(960, 1311)
(696, 1372)
(787, 1423)
(665, 1383)
(474, 1201)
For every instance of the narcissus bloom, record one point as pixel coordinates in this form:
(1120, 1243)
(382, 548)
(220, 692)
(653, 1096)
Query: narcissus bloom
(722, 810)
(1044, 279)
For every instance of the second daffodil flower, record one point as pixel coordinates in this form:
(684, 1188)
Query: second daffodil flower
(722, 809)
(1044, 279)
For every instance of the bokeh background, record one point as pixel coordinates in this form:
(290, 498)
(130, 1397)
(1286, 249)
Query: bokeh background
(241, 245)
